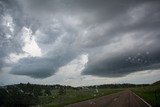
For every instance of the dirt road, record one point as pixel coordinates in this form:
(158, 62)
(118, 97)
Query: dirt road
(121, 99)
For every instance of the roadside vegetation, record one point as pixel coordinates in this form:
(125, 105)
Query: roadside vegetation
(59, 96)
(150, 94)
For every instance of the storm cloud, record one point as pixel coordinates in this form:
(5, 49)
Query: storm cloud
(39, 37)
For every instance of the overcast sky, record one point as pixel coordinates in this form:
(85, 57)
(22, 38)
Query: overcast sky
(79, 42)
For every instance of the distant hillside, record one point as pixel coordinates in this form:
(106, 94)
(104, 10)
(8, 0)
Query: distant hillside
(156, 83)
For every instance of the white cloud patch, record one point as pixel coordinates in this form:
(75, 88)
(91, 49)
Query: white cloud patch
(13, 57)
(30, 45)
(7, 21)
(74, 68)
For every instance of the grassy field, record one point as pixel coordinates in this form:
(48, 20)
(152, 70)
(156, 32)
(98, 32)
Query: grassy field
(151, 94)
(73, 96)
(59, 96)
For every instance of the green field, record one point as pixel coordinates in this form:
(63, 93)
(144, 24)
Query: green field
(151, 94)
(73, 96)
(25, 95)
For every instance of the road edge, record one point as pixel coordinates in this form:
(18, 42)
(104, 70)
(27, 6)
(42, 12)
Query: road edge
(141, 99)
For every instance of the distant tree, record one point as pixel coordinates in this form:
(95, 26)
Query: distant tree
(62, 90)
(37, 91)
(47, 91)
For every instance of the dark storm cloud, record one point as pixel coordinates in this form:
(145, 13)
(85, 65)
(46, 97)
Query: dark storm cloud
(37, 67)
(8, 40)
(34, 67)
(42, 67)
(120, 37)
(124, 64)
(145, 19)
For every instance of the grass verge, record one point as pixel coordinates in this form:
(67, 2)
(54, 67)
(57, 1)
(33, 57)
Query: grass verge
(151, 94)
